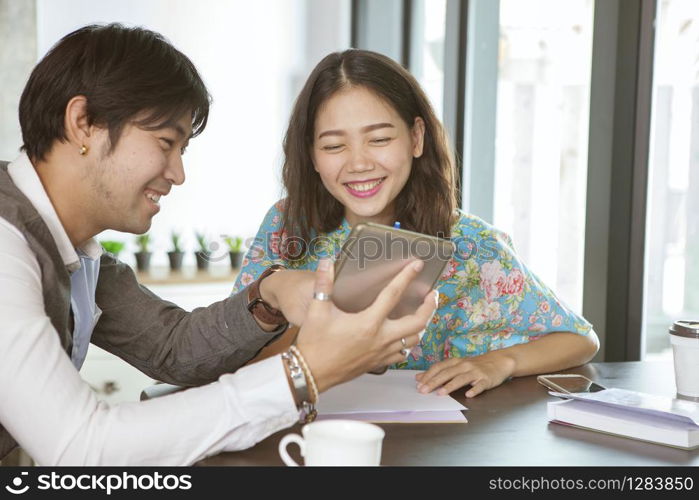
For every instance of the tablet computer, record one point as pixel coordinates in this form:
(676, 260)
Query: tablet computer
(374, 254)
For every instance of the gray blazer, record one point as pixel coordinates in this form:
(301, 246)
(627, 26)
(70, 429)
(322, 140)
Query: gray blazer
(157, 337)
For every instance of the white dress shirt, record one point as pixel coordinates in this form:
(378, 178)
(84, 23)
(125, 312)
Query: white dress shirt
(82, 264)
(52, 412)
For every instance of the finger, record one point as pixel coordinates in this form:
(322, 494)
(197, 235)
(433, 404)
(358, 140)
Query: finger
(434, 295)
(394, 359)
(457, 382)
(412, 323)
(412, 340)
(444, 376)
(323, 284)
(436, 368)
(379, 369)
(406, 343)
(389, 296)
(395, 352)
(477, 388)
(438, 380)
(424, 313)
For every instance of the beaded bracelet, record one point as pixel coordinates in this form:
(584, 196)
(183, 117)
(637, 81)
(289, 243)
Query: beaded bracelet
(307, 371)
(299, 380)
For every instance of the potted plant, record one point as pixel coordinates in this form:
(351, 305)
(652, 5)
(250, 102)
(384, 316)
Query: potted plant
(203, 253)
(143, 254)
(235, 250)
(176, 254)
(113, 247)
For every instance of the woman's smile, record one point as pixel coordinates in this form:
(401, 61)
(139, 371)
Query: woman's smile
(364, 189)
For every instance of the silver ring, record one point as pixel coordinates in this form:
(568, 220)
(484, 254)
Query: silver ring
(405, 352)
(402, 341)
(321, 296)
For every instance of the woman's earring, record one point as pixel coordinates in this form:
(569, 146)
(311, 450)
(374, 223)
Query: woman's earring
(83, 150)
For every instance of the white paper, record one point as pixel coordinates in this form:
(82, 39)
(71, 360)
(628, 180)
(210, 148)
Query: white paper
(394, 391)
(437, 417)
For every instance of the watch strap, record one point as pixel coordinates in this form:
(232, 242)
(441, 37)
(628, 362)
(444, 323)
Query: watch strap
(258, 307)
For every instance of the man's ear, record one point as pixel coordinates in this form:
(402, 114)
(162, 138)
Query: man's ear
(418, 136)
(77, 128)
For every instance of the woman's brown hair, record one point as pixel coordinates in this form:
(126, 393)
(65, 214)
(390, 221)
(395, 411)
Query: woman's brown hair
(426, 204)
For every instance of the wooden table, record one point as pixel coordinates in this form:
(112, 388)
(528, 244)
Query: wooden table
(508, 426)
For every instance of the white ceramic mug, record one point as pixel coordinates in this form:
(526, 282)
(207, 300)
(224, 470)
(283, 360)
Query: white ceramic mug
(336, 442)
(684, 337)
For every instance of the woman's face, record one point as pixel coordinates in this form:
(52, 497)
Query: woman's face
(363, 152)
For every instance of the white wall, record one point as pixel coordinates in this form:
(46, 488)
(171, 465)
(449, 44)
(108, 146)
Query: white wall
(253, 57)
(17, 58)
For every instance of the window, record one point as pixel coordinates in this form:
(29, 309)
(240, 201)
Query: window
(427, 49)
(672, 239)
(541, 136)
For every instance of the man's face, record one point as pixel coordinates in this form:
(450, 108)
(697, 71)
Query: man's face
(126, 185)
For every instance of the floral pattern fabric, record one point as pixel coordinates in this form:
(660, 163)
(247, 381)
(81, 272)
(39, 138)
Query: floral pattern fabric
(488, 298)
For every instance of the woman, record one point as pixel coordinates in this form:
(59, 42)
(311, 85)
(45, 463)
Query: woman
(364, 144)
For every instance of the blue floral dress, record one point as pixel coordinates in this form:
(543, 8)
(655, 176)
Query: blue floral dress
(488, 299)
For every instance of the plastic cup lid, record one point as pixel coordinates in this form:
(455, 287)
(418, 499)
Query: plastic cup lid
(684, 328)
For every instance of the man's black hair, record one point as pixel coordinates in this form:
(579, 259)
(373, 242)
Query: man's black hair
(126, 74)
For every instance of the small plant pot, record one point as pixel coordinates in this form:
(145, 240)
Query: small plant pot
(202, 260)
(175, 260)
(236, 259)
(143, 261)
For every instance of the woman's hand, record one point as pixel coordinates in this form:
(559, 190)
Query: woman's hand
(339, 346)
(480, 372)
(553, 352)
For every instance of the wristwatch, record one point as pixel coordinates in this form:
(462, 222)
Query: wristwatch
(261, 309)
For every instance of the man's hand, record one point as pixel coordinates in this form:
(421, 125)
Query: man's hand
(289, 291)
(339, 346)
(480, 372)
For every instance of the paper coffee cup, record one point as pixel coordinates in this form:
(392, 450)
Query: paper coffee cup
(684, 337)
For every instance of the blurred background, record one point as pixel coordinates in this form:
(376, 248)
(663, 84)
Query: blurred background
(576, 123)
(253, 57)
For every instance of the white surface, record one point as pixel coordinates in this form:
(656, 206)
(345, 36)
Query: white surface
(394, 391)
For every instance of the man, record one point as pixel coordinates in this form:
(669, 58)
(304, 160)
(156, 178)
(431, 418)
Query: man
(105, 118)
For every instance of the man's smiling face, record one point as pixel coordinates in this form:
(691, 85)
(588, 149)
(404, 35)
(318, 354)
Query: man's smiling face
(128, 182)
